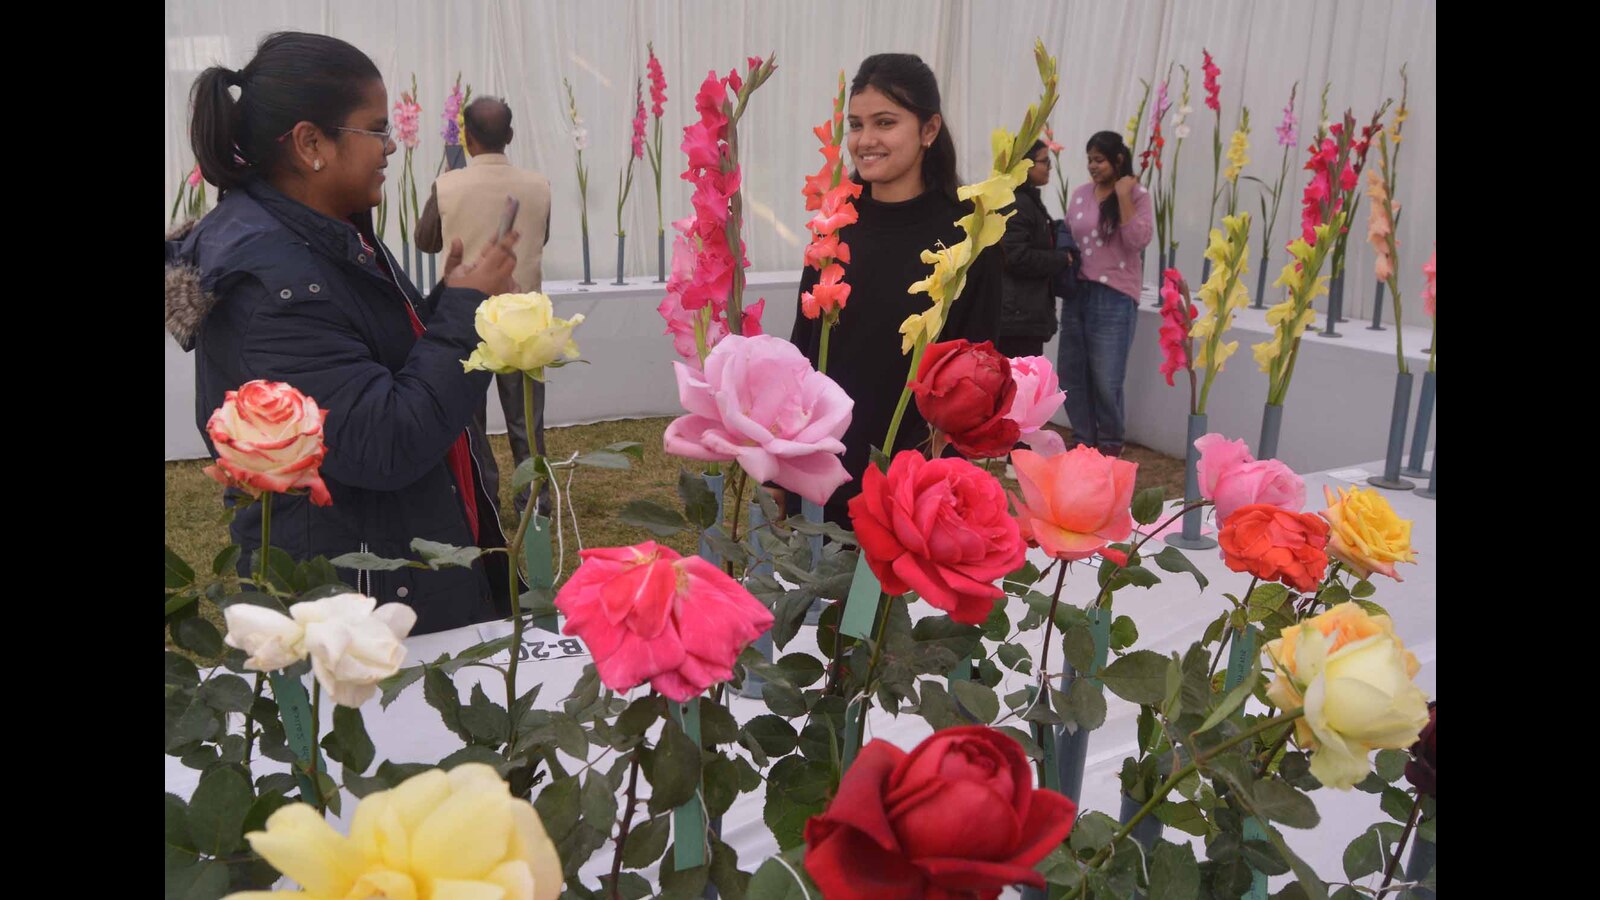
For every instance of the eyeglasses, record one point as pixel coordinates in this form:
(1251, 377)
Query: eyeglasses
(385, 135)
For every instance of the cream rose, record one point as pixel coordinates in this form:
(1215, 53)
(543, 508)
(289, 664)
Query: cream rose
(520, 333)
(268, 437)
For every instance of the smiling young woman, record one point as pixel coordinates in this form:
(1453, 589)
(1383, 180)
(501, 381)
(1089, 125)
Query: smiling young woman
(906, 162)
(285, 282)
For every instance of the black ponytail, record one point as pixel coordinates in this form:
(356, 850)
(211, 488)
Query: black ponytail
(1110, 145)
(295, 77)
(907, 80)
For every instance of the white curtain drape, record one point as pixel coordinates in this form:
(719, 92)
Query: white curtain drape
(981, 52)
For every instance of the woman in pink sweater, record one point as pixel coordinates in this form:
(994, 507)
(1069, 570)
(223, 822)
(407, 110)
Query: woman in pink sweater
(1111, 220)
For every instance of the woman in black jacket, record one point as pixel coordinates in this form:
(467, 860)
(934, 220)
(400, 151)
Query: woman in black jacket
(1028, 311)
(905, 161)
(285, 281)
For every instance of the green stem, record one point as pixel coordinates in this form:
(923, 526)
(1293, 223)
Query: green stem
(905, 398)
(1400, 848)
(316, 748)
(1049, 623)
(827, 326)
(1177, 777)
(529, 512)
(266, 538)
(250, 722)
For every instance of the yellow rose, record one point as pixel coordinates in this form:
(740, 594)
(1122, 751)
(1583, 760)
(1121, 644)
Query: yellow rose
(521, 334)
(1352, 676)
(437, 835)
(1365, 533)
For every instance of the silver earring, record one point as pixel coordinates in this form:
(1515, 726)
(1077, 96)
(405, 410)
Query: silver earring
(316, 166)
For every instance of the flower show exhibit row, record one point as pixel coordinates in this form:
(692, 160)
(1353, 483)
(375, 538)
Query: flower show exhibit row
(1338, 409)
(1167, 615)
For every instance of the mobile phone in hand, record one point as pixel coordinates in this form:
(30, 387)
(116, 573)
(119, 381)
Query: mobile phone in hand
(507, 218)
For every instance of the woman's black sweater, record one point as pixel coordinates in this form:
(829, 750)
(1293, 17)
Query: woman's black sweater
(864, 350)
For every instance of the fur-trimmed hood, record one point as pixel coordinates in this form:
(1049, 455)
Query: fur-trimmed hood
(188, 301)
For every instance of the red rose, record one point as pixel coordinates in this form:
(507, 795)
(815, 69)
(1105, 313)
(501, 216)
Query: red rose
(1276, 544)
(964, 390)
(940, 528)
(958, 817)
(1421, 771)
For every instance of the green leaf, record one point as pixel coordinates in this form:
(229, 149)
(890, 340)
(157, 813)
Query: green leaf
(225, 561)
(641, 714)
(653, 517)
(1187, 817)
(938, 707)
(1015, 657)
(558, 806)
(631, 885)
(1281, 803)
(1174, 873)
(1371, 608)
(1147, 504)
(206, 880)
(1362, 589)
(227, 693)
(394, 684)
(647, 842)
(441, 694)
(730, 882)
(1025, 740)
(674, 770)
(944, 633)
(717, 725)
(1171, 559)
(597, 802)
(217, 811)
(199, 637)
(372, 562)
(1397, 803)
(775, 736)
(1139, 677)
(526, 471)
(1123, 633)
(1264, 858)
(699, 503)
(797, 789)
(179, 575)
(1266, 600)
(440, 556)
(783, 699)
(978, 700)
(784, 878)
(1092, 831)
(1391, 764)
(1234, 698)
(1077, 644)
(803, 669)
(487, 721)
(265, 806)
(1364, 855)
(1136, 575)
(1086, 705)
(350, 737)
(605, 459)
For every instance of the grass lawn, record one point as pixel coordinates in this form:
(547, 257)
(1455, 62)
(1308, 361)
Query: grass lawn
(197, 533)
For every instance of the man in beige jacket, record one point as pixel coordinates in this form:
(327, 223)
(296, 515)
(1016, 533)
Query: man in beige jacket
(468, 203)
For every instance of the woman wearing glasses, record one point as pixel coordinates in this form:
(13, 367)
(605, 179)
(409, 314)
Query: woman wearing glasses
(1027, 309)
(285, 281)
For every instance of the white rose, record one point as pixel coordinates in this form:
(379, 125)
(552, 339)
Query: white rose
(352, 644)
(273, 640)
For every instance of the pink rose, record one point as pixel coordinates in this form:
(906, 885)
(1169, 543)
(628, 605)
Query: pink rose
(649, 614)
(1039, 394)
(1430, 292)
(760, 403)
(268, 438)
(1230, 478)
(1074, 504)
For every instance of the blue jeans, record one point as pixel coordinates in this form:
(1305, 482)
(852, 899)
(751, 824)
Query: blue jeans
(1097, 325)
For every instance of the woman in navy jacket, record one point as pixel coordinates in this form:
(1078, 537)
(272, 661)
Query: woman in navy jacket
(285, 281)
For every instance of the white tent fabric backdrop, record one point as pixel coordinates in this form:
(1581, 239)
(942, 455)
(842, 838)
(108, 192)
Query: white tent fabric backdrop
(980, 52)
